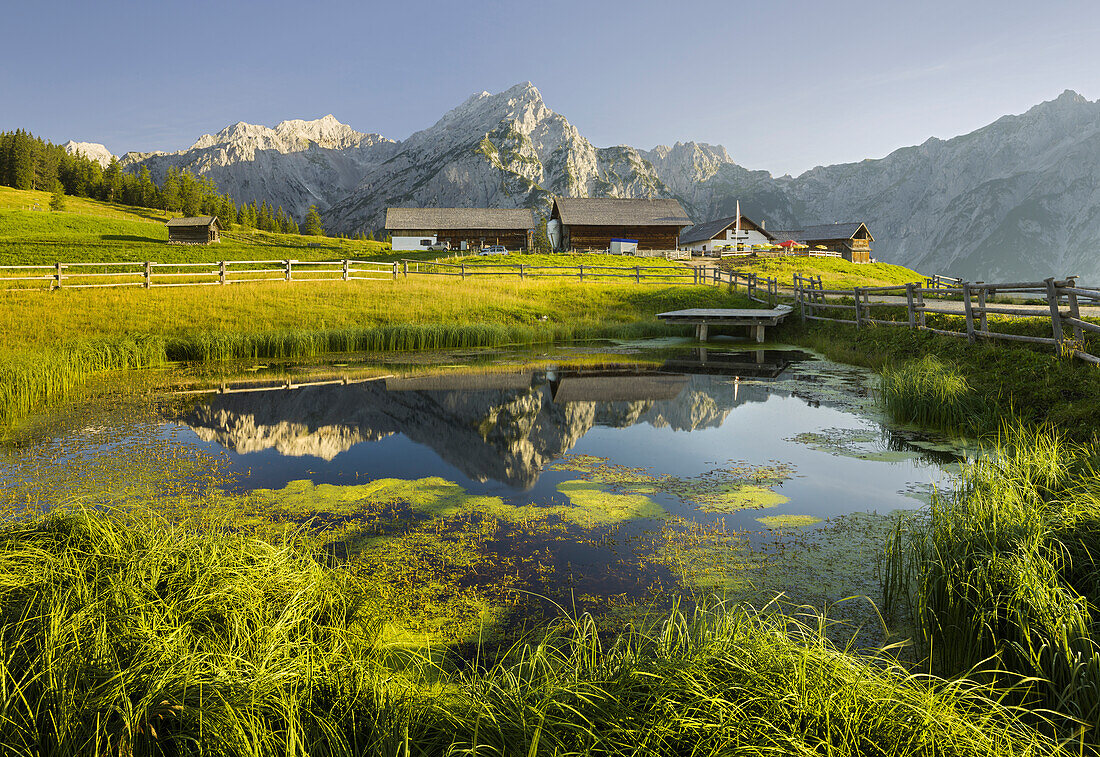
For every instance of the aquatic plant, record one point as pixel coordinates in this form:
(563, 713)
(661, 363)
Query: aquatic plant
(126, 635)
(1001, 578)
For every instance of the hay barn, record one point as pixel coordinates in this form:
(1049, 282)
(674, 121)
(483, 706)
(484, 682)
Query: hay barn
(198, 230)
(460, 228)
(590, 223)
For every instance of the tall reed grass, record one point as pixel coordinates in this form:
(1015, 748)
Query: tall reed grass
(124, 635)
(930, 394)
(1002, 579)
(29, 380)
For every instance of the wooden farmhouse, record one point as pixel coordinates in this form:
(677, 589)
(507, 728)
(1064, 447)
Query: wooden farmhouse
(851, 240)
(724, 234)
(460, 228)
(588, 223)
(198, 230)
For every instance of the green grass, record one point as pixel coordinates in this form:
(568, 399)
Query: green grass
(1001, 578)
(123, 634)
(1002, 380)
(44, 335)
(835, 273)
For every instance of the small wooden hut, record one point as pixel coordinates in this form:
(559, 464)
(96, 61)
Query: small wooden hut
(198, 230)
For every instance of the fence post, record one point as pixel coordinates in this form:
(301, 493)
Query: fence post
(462, 270)
(637, 274)
(221, 271)
(405, 263)
(909, 305)
(57, 275)
(968, 308)
(983, 324)
(1055, 315)
(148, 274)
(581, 267)
(521, 270)
(859, 313)
(921, 315)
(395, 269)
(1074, 309)
(287, 262)
(345, 271)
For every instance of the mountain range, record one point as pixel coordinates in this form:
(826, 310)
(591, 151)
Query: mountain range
(1019, 198)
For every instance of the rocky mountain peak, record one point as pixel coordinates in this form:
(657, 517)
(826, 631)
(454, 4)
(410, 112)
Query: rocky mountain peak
(90, 150)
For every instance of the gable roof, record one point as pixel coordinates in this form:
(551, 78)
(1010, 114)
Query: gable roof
(821, 232)
(195, 221)
(614, 211)
(420, 219)
(702, 232)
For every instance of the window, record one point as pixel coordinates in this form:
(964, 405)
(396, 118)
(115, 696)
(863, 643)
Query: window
(425, 242)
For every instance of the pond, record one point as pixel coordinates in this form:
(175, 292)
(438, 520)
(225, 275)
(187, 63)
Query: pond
(473, 494)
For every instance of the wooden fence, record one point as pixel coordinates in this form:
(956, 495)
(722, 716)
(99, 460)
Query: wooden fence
(1061, 308)
(640, 273)
(150, 274)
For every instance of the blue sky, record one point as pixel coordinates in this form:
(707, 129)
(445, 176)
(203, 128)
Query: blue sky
(784, 85)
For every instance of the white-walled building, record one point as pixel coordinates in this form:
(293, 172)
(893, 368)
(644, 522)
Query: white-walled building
(723, 234)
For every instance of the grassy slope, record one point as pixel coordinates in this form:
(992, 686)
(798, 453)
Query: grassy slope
(835, 273)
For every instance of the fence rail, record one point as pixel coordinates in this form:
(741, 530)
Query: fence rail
(149, 274)
(1062, 308)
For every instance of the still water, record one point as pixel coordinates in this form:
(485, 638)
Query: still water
(604, 478)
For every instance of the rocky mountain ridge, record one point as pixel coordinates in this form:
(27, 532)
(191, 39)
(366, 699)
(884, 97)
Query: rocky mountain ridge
(1017, 198)
(90, 150)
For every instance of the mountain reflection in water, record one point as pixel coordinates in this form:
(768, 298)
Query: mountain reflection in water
(503, 426)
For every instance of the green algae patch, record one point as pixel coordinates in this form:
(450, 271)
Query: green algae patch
(735, 497)
(599, 507)
(788, 521)
(432, 496)
(861, 444)
(726, 489)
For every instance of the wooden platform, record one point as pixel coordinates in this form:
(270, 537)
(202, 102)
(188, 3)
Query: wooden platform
(756, 320)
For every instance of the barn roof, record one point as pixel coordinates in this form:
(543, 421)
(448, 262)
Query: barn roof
(821, 232)
(195, 221)
(418, 219)
(702, 232)
(613, 211)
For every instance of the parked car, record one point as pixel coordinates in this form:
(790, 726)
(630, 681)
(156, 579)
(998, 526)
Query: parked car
(496, 249)
(438, 247)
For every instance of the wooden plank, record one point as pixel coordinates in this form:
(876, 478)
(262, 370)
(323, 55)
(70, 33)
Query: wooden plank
(1080, 323)
(823, 318)
(1019, 338)
(945, 333)
(968, 309)
(1086, 357)
(1055, 314)
(1037, 311)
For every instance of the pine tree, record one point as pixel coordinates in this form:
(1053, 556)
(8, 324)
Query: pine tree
(313, 227)
(541, 240)
(57, 199)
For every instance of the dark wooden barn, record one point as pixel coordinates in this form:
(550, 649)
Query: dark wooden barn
(460, 228)
(198, 230)
(852, 240)
(584, 223)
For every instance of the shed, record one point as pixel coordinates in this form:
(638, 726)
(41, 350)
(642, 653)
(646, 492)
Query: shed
(460, 228)
(591, 223)
(852, 239)
(722, 235)
(197, 230)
